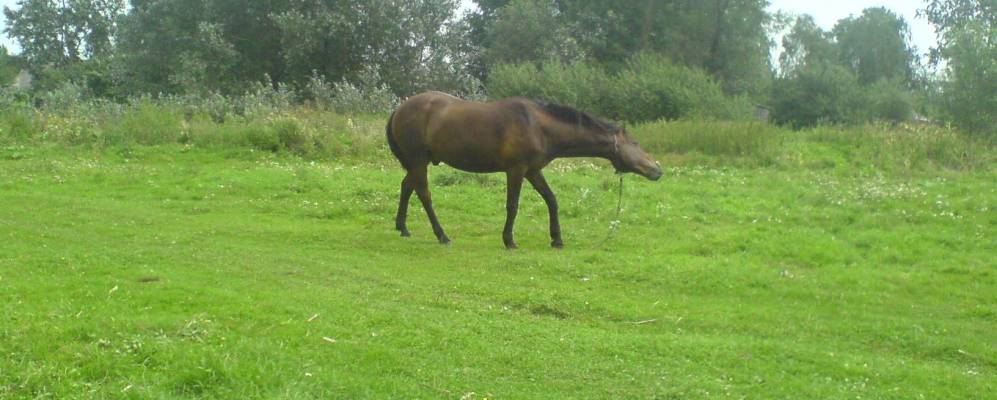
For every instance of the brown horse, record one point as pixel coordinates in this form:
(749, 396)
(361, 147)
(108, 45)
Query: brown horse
(516, 136)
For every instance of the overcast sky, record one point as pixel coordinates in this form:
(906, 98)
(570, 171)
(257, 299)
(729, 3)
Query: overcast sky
(827, 13)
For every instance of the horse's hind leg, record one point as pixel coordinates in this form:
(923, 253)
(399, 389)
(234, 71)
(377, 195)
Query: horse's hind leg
(513, 187)
(420, 181)
(406, 194)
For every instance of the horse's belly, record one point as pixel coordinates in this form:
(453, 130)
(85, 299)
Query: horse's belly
(471, 164)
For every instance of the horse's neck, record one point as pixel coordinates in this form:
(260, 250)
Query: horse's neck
(565, 140)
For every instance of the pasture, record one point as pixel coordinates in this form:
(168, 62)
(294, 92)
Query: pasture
(820, 264)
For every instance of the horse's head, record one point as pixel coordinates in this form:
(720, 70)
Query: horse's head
(629, 157)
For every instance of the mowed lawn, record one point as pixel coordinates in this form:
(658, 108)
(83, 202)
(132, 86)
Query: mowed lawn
(185, 273)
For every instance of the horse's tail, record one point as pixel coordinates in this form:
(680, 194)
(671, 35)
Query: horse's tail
(391, 142)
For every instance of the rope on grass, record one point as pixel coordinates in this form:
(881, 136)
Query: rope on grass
(615, 223)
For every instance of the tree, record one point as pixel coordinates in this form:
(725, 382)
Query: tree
(171, 46)
(967, 33)
(725, 37)
(411, 43)
(9, 67)
(819, 93)
(219, 45)
(529, 30)
(62, 32)
(875, 46)
(805, 46)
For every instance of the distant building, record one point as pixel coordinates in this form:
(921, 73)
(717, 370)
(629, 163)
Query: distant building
(22, 81)
(921, 119)
(762, 113)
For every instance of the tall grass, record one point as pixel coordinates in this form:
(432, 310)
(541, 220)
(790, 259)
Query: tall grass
(301, 131)
(755, 140)
(317, 133)
(885, 147)
(904, 146)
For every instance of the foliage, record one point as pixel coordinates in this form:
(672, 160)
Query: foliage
(216, 46)
(10, 66)
(652, 88)
(648, 88)
(860, 72)
(971, 92)
(197, 47)
(367, 96)
(875, 46)
(64, 32)
(805, 46)
(529, 31)
(818, 94)
(889, 100)
(968, 43)
(725, 37)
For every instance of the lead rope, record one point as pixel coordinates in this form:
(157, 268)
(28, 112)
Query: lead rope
(615, 223)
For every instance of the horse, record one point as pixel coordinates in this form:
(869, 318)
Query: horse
(516, 136)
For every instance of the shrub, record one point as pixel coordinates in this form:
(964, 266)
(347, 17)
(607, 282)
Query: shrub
(889, 101)
(654, 88)
(263, 138)
(292, 136)
(368, 96)
(263, 99)
(648, 88)
(63, 99)
(818, 95)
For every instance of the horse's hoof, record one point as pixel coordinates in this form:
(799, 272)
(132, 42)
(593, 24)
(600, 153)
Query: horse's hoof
(511, 246)
(406, 233)
(557, 244)
(445, 240)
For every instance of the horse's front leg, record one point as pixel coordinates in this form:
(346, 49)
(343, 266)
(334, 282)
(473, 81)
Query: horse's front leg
(420, 180)
(514, 185)
(536, 179)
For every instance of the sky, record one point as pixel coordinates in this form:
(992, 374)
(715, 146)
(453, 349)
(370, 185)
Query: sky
(826, 13)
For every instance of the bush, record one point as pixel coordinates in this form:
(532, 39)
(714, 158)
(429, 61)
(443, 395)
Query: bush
(293, 136)
(648, 88)
(654, 88)
(368, 96)
(263, 99)
(823, 94)
(889, 101)
(831, 94)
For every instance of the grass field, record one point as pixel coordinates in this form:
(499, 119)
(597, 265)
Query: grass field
(185, 272)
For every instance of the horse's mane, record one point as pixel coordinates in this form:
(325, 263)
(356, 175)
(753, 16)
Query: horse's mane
(571, 115)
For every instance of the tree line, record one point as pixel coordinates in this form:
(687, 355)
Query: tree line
(864, 68)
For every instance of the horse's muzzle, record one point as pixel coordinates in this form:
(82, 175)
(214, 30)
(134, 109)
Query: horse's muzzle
(653, 174)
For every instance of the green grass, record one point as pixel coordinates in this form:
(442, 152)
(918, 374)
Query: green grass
(186, 271)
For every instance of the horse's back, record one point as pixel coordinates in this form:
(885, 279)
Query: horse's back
(469, 135)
